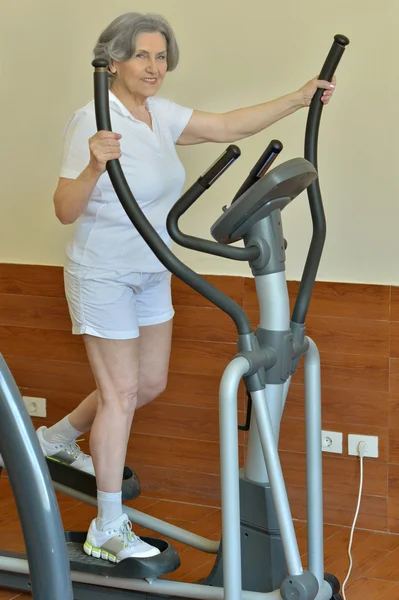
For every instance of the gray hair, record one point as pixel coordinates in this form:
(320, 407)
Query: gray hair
(118, 40)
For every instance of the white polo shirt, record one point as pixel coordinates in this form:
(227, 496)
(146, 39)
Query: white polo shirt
(104, 236)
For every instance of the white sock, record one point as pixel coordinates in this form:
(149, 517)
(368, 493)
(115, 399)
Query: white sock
(61, 433)
(109, 508)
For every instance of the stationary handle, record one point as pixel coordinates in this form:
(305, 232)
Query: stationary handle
(261, 167)
(144, 227)
(203, 183)
(221, 165)
(314, 194)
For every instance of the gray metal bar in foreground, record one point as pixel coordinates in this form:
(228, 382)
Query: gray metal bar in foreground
(255, 468)
(275, 399)
(157, 587)
(34, 495)
(176, 533)
(277, 484)
(229, 477)
(314, 466)
(286, 391)
(274, 315)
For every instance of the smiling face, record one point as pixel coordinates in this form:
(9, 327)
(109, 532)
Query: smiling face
(143, 74)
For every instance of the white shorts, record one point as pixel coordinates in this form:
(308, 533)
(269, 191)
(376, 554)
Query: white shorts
(115, 304)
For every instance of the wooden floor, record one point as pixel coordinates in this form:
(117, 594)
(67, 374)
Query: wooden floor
(376, 555)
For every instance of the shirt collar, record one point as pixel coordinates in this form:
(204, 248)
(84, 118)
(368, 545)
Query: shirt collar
(121, 108)
(117, 104)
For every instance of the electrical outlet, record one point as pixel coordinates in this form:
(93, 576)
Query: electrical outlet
(36, 407)
(371, 442)
(331, 441)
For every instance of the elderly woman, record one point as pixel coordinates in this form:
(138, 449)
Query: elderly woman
(118, 292)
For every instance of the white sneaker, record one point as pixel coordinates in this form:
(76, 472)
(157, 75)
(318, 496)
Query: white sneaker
(116, 542)
(69, 454)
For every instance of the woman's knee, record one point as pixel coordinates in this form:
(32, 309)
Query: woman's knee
(115, 366)
(123, 399)
(150, 389)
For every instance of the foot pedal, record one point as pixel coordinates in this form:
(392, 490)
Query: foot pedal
(86, 483)
(131, 568)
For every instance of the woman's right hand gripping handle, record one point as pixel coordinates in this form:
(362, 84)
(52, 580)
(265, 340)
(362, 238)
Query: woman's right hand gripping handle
(72, 195)
(104, 146)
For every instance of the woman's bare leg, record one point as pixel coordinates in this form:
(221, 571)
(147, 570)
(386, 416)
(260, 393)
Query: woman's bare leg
(115, 366)
(152, 377)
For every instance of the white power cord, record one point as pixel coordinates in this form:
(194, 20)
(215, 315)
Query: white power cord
(362, 447)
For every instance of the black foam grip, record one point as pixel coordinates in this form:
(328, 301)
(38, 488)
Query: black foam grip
(260, 168)
(220, 166)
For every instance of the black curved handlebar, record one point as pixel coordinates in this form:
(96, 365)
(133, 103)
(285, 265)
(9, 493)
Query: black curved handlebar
(315, 201)
(143, 226)
(247, 254)
(190, 196)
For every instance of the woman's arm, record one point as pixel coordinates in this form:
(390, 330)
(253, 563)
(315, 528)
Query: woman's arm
(72, 195)
(245, 122)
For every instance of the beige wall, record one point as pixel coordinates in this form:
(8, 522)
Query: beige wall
(231, 57)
